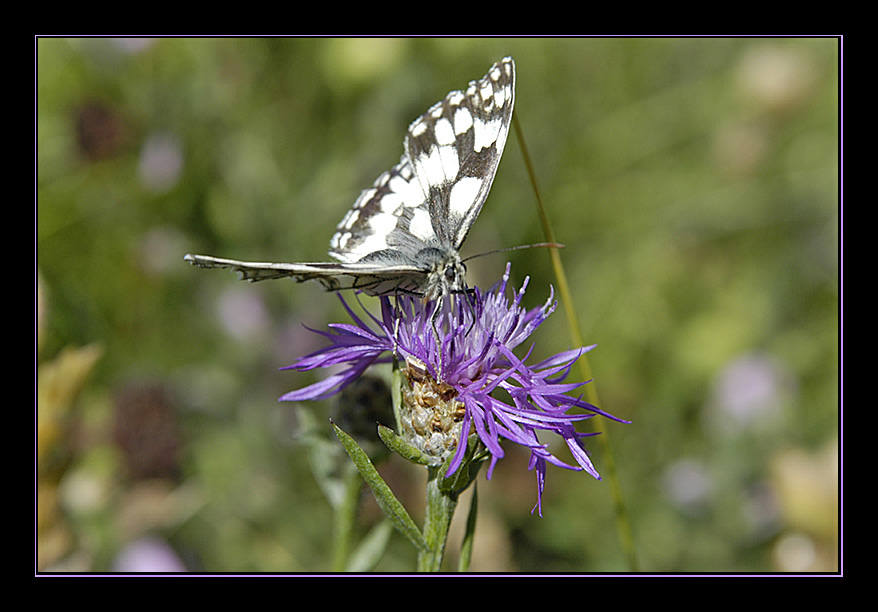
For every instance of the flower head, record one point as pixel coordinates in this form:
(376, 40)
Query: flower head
(456, 361)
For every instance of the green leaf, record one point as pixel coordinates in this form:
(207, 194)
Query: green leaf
(393, 509)
(468, 470)
(324, 458)
(346, 514)
(403, 448)
(370, 550)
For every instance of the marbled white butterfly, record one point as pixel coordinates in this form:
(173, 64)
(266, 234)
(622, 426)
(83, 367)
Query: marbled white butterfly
(403, 233)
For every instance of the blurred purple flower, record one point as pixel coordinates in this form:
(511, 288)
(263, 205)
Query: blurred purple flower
(161, 162)
(454, 376)
(148, 555)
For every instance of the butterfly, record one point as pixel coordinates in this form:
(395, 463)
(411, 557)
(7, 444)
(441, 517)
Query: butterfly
(404, 233)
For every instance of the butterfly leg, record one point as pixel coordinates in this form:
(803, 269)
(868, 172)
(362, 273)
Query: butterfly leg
(467, 292)
(433, 318)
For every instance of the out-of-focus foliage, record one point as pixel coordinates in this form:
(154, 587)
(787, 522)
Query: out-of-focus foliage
(694, 181)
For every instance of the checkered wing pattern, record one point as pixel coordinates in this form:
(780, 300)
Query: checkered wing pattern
(403, 233)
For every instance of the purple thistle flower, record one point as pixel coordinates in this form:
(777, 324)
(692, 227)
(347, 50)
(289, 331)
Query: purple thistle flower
(454, 377)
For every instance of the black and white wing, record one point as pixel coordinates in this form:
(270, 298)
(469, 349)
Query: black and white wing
(403, 233)
(371, 278)
(433, 195)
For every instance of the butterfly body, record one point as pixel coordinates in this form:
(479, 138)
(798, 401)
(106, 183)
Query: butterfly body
(404, 233)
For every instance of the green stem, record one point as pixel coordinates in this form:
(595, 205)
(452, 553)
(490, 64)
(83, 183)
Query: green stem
(345, 517)
(591, 395)
(440, 510)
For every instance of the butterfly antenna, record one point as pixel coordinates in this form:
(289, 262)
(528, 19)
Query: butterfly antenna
(551, 245)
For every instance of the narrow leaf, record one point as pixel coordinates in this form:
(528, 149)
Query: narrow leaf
(370, 550)
(391, 506)
(403, 448)
(466, 473)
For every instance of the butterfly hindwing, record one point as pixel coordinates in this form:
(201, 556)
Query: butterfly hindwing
(381, 216)
(372, 278)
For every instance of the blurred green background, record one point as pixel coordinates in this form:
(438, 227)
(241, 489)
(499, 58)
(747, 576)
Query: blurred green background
(695, 183)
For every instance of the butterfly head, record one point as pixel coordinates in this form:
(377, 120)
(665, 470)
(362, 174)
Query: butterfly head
(446, 272)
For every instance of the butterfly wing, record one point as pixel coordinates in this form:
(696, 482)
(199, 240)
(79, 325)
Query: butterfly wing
(433, 195)
(378, 278)
(386, 217)
(403, 233)
(455, 149)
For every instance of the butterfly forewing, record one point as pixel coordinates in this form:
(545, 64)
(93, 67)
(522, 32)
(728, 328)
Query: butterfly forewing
(416, 215)
(455, 148)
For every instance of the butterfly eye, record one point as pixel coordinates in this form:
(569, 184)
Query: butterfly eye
(450, 274)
